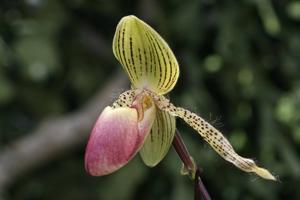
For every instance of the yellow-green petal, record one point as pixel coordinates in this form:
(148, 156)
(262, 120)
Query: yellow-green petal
(145, 56)
(159, 140)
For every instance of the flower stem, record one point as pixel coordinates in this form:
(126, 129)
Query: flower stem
(193, 170)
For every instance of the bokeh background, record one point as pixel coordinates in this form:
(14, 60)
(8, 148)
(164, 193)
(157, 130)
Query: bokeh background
(240, 70)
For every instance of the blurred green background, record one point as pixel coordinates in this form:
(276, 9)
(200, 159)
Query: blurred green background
(240, 70)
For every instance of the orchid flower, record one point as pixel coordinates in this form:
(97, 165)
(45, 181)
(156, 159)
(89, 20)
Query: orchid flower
(142, 119)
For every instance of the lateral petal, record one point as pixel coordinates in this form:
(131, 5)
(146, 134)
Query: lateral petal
(214, 137)
(159, 140)
(145, 56)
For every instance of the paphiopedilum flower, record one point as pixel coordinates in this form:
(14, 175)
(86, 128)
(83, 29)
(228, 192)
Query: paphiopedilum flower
(142, 119)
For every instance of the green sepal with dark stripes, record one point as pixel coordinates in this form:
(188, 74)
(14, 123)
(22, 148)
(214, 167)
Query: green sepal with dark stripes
(159, 140)
(145, 56)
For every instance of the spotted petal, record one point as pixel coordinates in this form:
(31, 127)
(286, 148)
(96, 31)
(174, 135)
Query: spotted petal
(115, 139)
(214, 137)
(145, 56)
(159, 140)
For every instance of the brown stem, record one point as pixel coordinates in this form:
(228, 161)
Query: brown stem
(200, 190)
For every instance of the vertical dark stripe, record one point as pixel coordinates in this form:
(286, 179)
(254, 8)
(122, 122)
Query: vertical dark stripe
(174, 78)
(163, 129)
(166, 129)
(118, 46)
(152, 55)
(123, 44)
(133, 66)
(151, 134)
(151, 59)
(116, 43)
(123, 58)
(158, 125)
(142, 52)
(124, 54)
(146, 62)
(141, 64)
(129, 61)
(164, 59)
(167, 85)
(131, 52)
(157, 55)
(167, 132)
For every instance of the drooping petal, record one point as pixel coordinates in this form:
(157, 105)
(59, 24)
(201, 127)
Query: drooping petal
(145, 56)
(115, 139)
(159, 140)
(214, 137)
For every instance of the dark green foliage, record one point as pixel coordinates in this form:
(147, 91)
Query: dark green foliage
(240, 69)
